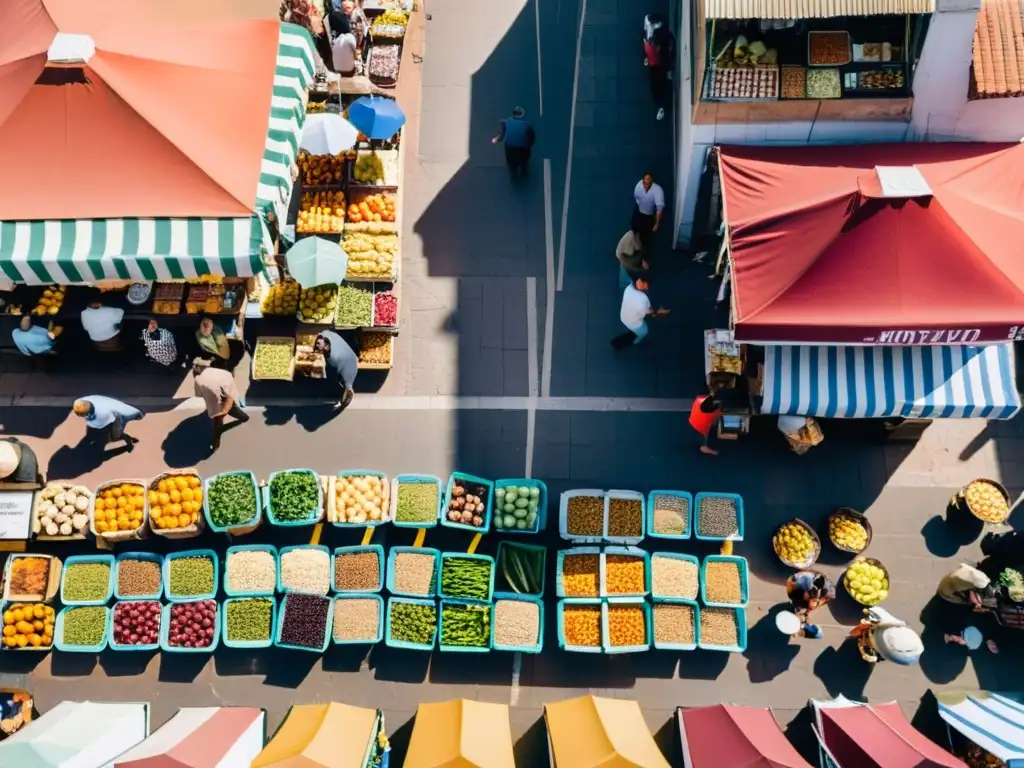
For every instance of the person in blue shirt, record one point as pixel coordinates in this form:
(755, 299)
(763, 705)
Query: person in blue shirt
(342, 364)
(105, 420)
(32, 340)
(519, 137)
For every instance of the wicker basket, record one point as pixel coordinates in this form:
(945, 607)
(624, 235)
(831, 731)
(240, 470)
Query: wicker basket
(141, 532)
(871, 561)
(815, 551)
(189, 531)
(853, 515)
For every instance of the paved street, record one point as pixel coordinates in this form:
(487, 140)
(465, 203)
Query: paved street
(481, 315)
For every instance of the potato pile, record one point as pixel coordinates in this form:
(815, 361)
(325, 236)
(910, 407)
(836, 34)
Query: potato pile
(986, 502)
(175, 502)
(360, 499)
(62, 510)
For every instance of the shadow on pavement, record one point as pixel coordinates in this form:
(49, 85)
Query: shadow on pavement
(189, 442)
(842, 670)
(182, 667)
(288, 668)
(769, 653)
(230, 662)
(309, 417)
(798, 732)
(69, 664)
(471, 669)
(945, 535)
(129, 663)
(667, 739)
(346, 658)
(77, 460)
(398, 664)
(34, 422)
(702, 665)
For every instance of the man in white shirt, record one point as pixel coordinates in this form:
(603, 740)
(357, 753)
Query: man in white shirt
(635, 309)
(650, 205)
(103, 324)
(343, 49)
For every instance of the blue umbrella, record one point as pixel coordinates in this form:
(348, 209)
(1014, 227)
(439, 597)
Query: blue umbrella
(377, 117)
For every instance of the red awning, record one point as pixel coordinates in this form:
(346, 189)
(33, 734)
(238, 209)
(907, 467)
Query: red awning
(821, 254)
(728, 736)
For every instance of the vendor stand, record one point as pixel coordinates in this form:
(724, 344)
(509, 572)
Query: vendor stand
(327, 736)
(728, 735)
(226, 737)
(591, 731)
(462, 732)
(983, 725)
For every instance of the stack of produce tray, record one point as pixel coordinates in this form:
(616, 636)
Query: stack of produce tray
(593, 515)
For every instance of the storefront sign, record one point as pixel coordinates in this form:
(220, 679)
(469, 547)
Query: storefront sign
(919, 338)
(999, 333)
(15, 515)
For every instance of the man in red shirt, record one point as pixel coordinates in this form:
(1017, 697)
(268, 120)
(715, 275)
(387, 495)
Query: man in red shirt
(659, 58)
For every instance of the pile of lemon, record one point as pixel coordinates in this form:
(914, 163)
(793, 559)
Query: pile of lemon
(51, 301)
(866, 582)
(175, 502)
(119, 508)
(28, 625)
(794, 543)
(317, 305)
(281, 299)
(848, 533)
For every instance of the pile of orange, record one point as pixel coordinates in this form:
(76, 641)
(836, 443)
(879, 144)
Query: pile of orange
(380, 207)
(119, 508)
(28, 625)
(175, 502)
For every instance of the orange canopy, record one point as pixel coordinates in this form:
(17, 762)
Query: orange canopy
(171, 120)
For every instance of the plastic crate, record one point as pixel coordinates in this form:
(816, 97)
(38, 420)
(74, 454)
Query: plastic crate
(563, 515)
(229, 643)
(741, 643)
(630, 496)
(317, 514)
(280, 566)
(542, 505)
(151, 557)
(532, 547)
(107, 560)
(252, 548)
(386, 512)
(488, 507)
(380, 617)
(662, 646)
(241, 528)
(342, 551)
(649, 515)
(674, 556)
(738, 536)
(640, 603)
(402, 643)
(171, 597)
(464, 556)
(146, 647)
(514, 597)
(629, 552)
(395, 552)
(165, 633)
(42, 648)
(571, 601)
(463, 648)
(744, 580)
(559, 564)
(58, 633)
(327, 627)
(411, 479)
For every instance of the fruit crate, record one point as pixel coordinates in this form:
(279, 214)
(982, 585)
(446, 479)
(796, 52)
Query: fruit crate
(280, 567)
(380, 617)
(628, 496)
(649, 515)
(515, 597)
(393, 555)
(402, 643)
(317, 513)
(165, 633)
(151, 557)
(463, 648)
(269, 641)
(560, 562)
(58, 635)
(542, 505)
(563, 515)
(664, 646)
(53, 581)
(328, 626)
(738, 536)
(269, 548)
(114, 646)
(465, 556)
(332, 498)
(741, 634)
(570, 601)
(674, 556)
(488, 506)
(396, 484)
(644, 606)
(171, 556)
(636, 552)
(107, 560)
(533, 548)
(242, 528)
(342, 551)
(268, 340)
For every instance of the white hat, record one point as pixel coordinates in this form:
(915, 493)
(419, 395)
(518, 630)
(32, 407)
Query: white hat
(10, 458)
(787, 622)
(901, 645)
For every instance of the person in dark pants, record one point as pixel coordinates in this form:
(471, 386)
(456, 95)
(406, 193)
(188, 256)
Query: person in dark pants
(704, 416)
(105, 420)
(659, 58)
(220, 393)
(519, 138)
(342, 364)
(649, 206)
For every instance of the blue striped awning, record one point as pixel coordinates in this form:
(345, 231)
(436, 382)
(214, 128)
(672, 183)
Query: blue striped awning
(872, 382)
(993, 721)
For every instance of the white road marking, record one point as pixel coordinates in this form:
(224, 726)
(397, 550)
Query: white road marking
(540, 70)
(572, 133)
(549, 309)
(531, 335)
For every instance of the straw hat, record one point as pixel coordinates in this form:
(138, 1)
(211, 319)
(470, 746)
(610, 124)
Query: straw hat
(10, 458)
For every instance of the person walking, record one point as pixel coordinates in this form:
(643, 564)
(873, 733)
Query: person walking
(342, 364)
(635, 309)
(659, 58)
(882, 637)
(704, 416)
(649, 200)
(33, 340)
(630, 253)
(159, 345)
(105, 420)
(220, 394)
(519, 138)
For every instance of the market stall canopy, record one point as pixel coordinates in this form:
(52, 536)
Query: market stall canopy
(82, 734)
(876, 736)
(817, 9)
(461, 734)
(201, 737)
(879, 382)
(900, 244)
(594, 732)
(729, 736)
(321, 736)
(993, 721)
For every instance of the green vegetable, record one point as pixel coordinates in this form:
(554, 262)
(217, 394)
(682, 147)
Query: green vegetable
(231, 500)
(295, 496)
(85, 626)
(1014, 583)
(466, 577)
(86, 581)
(355, 306)
(273, 359)
(249, 620)
(523, 567)
(413, 623)
(191, 576)
(466, 625)
(417, 502)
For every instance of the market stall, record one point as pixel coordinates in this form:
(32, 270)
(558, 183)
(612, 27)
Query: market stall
(326, 736)
(461, 734)
(592, 731)
(983, 724)
(730, 736)
(201, 737)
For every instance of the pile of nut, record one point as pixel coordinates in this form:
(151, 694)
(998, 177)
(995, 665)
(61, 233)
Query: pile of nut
(717, 517)
(585, 516)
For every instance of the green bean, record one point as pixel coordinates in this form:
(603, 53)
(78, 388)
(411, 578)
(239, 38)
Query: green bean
(466, 577)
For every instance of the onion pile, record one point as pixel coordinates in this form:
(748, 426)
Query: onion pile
(137, 622)
(193, 625)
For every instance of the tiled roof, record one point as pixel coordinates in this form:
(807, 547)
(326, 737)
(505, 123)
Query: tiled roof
(998, 69)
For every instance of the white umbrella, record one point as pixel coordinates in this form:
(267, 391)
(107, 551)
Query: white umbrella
(327, 134)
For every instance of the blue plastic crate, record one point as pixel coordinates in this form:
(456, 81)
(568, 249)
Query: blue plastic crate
(316, 515)
(623, 495)
(209, 553)
(488, 506)
(741, 634)
(396, 551)
(628, 552)
(532, 547)
(380, 617)
(402, 643)
(397, 483)
(280, 565)
(744, 580)
(146, 647)
(465, 556)
(637, 602)
(165, 633)
(151, 557)
(368, 523)
(560, 562)
(70, 562)
(662, 646)
(269, 548)
(342, 551)
(563, 515)
(513, 597)
(542, 505)
(463, 648)
(229, 643)
(58, 632)
(649, 516)
(327, 627)
(241, 527)
(738, 536)
(674, 556)
(571, 601)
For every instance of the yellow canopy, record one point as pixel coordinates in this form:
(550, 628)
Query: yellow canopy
(460, 734)
(592, 732)
(320, 736)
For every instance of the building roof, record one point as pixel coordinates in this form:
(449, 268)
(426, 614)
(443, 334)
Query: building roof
(998, 68)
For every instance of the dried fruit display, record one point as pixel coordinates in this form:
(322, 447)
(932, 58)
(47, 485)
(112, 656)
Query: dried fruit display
(375, 349)
(384, 63)
(377, 207)
(823, 84)
(321, 170)
(322, 212)
(828, 48)
(743, 83)
(794, 83)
